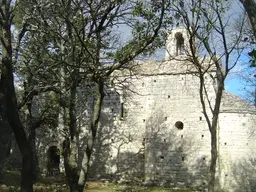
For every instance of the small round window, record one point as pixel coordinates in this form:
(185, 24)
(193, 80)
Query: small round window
(179, 125)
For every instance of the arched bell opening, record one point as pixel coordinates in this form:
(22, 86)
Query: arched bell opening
(179, 44)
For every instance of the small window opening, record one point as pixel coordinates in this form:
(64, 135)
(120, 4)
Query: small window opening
(200, 118)
(112, 110)
(169, 96)
(122, 110)
(162, 157)
(179, 44)
(202, 136)
(144, 120)
(183, 158)
(164, 140)
(181, 136)
(154, 80)
(179, 125)
(225, 143)
(165, 118)
(203, 158)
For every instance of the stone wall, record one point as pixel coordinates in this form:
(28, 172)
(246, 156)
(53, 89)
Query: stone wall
(152, 105)
(152, 129)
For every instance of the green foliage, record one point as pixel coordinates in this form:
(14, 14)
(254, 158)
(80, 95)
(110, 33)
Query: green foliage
(67, 43)
(252, 55)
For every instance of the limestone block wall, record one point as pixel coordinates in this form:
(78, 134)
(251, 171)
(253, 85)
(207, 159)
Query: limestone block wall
(145, 115)
(173, 156)
(139, 137)
(237, 141)
(119, 147)
(144, 142)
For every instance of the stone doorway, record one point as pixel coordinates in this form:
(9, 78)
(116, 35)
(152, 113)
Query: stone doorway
(53, 161)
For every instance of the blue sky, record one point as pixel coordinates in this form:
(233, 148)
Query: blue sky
(241, 78)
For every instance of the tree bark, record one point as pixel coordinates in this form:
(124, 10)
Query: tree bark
(92, 134)
(5, 144)
(211, 185)
(32, 141)
(213, 131)
(70, 147)
(8, 91)
(71, 165)
(32, 125)
(77, 177)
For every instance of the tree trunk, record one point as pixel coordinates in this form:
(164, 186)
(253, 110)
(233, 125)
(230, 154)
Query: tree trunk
(213, 131)
(32, 141)
(5, 143)
(8, 92)
(32, 125)
(70, 147)
(250, 8)
(27, 177)
(71, 165)
(211, 185)
(83, 176)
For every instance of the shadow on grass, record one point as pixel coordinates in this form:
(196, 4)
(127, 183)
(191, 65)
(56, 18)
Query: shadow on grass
(12, 179)
(11, 183)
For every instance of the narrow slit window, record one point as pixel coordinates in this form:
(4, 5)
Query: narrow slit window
(122, 110)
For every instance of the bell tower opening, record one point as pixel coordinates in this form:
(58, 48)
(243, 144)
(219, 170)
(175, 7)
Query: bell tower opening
(179, 44)
(176, 43)
(53, 161)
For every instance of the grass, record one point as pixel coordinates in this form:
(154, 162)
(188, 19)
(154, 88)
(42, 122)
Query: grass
(11, 180)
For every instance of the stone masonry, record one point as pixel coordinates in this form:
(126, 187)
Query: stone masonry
(153, 130)
(163, 135)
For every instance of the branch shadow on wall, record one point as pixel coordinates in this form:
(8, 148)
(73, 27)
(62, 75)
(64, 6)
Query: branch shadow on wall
(244, 174)
(166, 156)
(172, 158)
(110, 160)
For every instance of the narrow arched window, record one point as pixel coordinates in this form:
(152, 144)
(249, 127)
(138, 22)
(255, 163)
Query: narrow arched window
(179, 44)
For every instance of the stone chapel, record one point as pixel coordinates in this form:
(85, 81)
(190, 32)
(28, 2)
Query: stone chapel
(153, 130)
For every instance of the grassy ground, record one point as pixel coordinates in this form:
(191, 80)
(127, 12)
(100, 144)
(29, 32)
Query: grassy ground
(11, 180)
